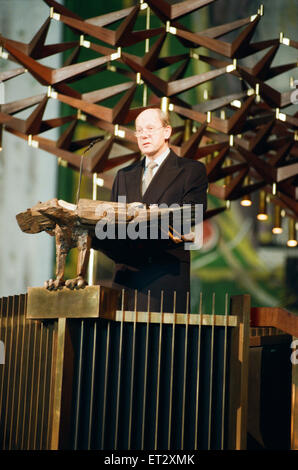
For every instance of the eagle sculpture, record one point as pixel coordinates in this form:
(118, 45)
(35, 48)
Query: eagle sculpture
(74, 226)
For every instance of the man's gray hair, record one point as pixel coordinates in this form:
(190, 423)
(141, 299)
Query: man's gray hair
(164, 117)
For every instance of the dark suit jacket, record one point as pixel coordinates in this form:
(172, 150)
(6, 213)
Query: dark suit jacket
(157, 265)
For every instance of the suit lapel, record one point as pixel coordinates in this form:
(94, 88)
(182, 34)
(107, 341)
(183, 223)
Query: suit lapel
(133, 180)
(162, 179)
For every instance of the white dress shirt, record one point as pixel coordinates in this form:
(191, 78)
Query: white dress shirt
(159, 160)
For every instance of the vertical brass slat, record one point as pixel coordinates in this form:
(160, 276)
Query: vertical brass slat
(37, 400)
(10, 384)
(21, 377)
(104, 404)
(132, 370)
(119, 374)
(198, 372)
(238, 371)
(18, 372)
(2, 366)
(56, 383)
(184, 371)
(3, 391)
(79, 386)
(224, 374)
(43, 403)
(19, 361)
(28, 327)
(52, 378)
(158, 372)
(52, 359)
(15, 365)
(172, 374)
(1, 319)
(46, 426)
(145, 373)
(9, 339)
(211, 372)
(2, 334)
(62, 385)
(92, 384)
(33, 364)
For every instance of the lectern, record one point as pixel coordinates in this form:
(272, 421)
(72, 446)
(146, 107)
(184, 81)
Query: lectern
(80, 373)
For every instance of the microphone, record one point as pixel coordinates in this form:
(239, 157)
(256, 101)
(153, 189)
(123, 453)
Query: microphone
(81, 164)
(92, 143)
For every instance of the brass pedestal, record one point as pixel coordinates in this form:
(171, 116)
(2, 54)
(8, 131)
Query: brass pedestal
(90, 302)
(64, 305)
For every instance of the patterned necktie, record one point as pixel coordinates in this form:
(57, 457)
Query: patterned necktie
(148, 176)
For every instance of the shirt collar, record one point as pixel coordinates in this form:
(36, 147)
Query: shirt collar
(158, 159)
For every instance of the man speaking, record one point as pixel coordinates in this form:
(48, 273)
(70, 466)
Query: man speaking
(153, 266)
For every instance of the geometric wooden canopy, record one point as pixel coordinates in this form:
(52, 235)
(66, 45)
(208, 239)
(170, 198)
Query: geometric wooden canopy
(247, 141)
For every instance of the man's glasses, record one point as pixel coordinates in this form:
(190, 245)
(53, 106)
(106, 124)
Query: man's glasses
(149, 131)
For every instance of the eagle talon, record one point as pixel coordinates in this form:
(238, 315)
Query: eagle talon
(54, 284)
(48, 284)
(78, 282)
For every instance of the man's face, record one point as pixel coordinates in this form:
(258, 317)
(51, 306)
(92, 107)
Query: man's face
(152, 135)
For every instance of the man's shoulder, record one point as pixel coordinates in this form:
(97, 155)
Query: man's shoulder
(187, 163)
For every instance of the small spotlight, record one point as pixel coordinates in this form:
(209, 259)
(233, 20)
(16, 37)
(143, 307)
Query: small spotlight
(277, 228)
(292, 240)
(262, 217)
(262, 214)
(246, 201)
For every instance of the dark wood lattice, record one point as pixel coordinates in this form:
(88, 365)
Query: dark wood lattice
(247, 143)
